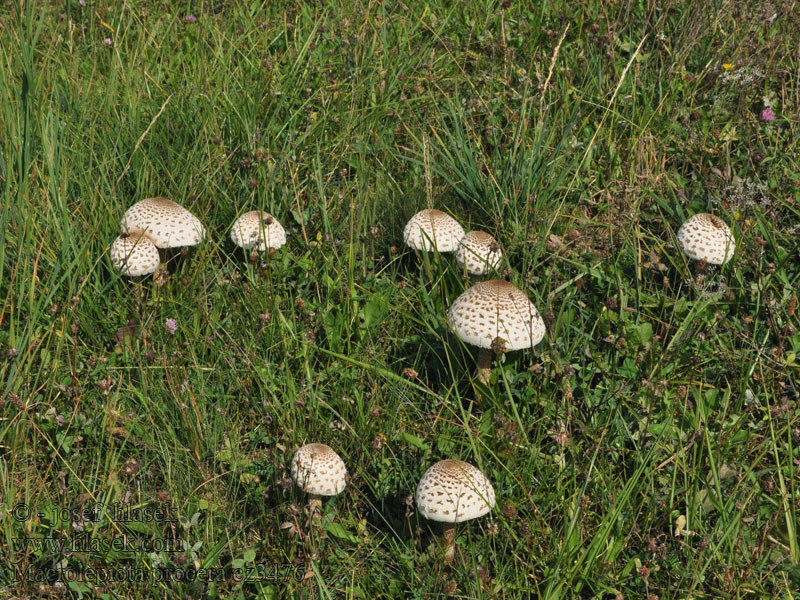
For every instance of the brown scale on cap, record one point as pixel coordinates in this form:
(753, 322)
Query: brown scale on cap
(707, 238)
(431, 228)
(165, 222)
(479, 252)
(259, 231)
(318, 470)
(454, 491)
(493, 309)
(134, 254)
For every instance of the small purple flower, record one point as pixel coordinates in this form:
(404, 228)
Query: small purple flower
(172, 326)
(108, 42)
(189, 19)
(82, 2)
(767, 114)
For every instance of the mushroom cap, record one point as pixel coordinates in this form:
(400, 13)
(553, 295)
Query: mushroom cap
(258, 230)
(479, 252)
(430, 228)
(707, 237)
(165, 222)
(493, 309)
(454, 491)
(134, 254)
(318, 470)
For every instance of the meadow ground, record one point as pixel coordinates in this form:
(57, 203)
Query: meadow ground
(645, 449)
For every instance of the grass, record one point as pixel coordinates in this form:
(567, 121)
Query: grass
(581, 135)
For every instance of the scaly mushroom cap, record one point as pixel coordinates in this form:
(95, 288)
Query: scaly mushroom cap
(134, 254)
(168, 224)
(496, 309)
(259, 230)
(430, 228)
(706, 237)
(317, 469)
(454, 491)
(480, 252)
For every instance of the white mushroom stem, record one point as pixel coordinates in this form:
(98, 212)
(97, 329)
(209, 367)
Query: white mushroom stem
(449, 540)
(315, 506)
(485, 365)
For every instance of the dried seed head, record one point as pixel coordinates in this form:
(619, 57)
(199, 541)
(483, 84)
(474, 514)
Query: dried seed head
(410, 373)
(509, 511)
(131, 467)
